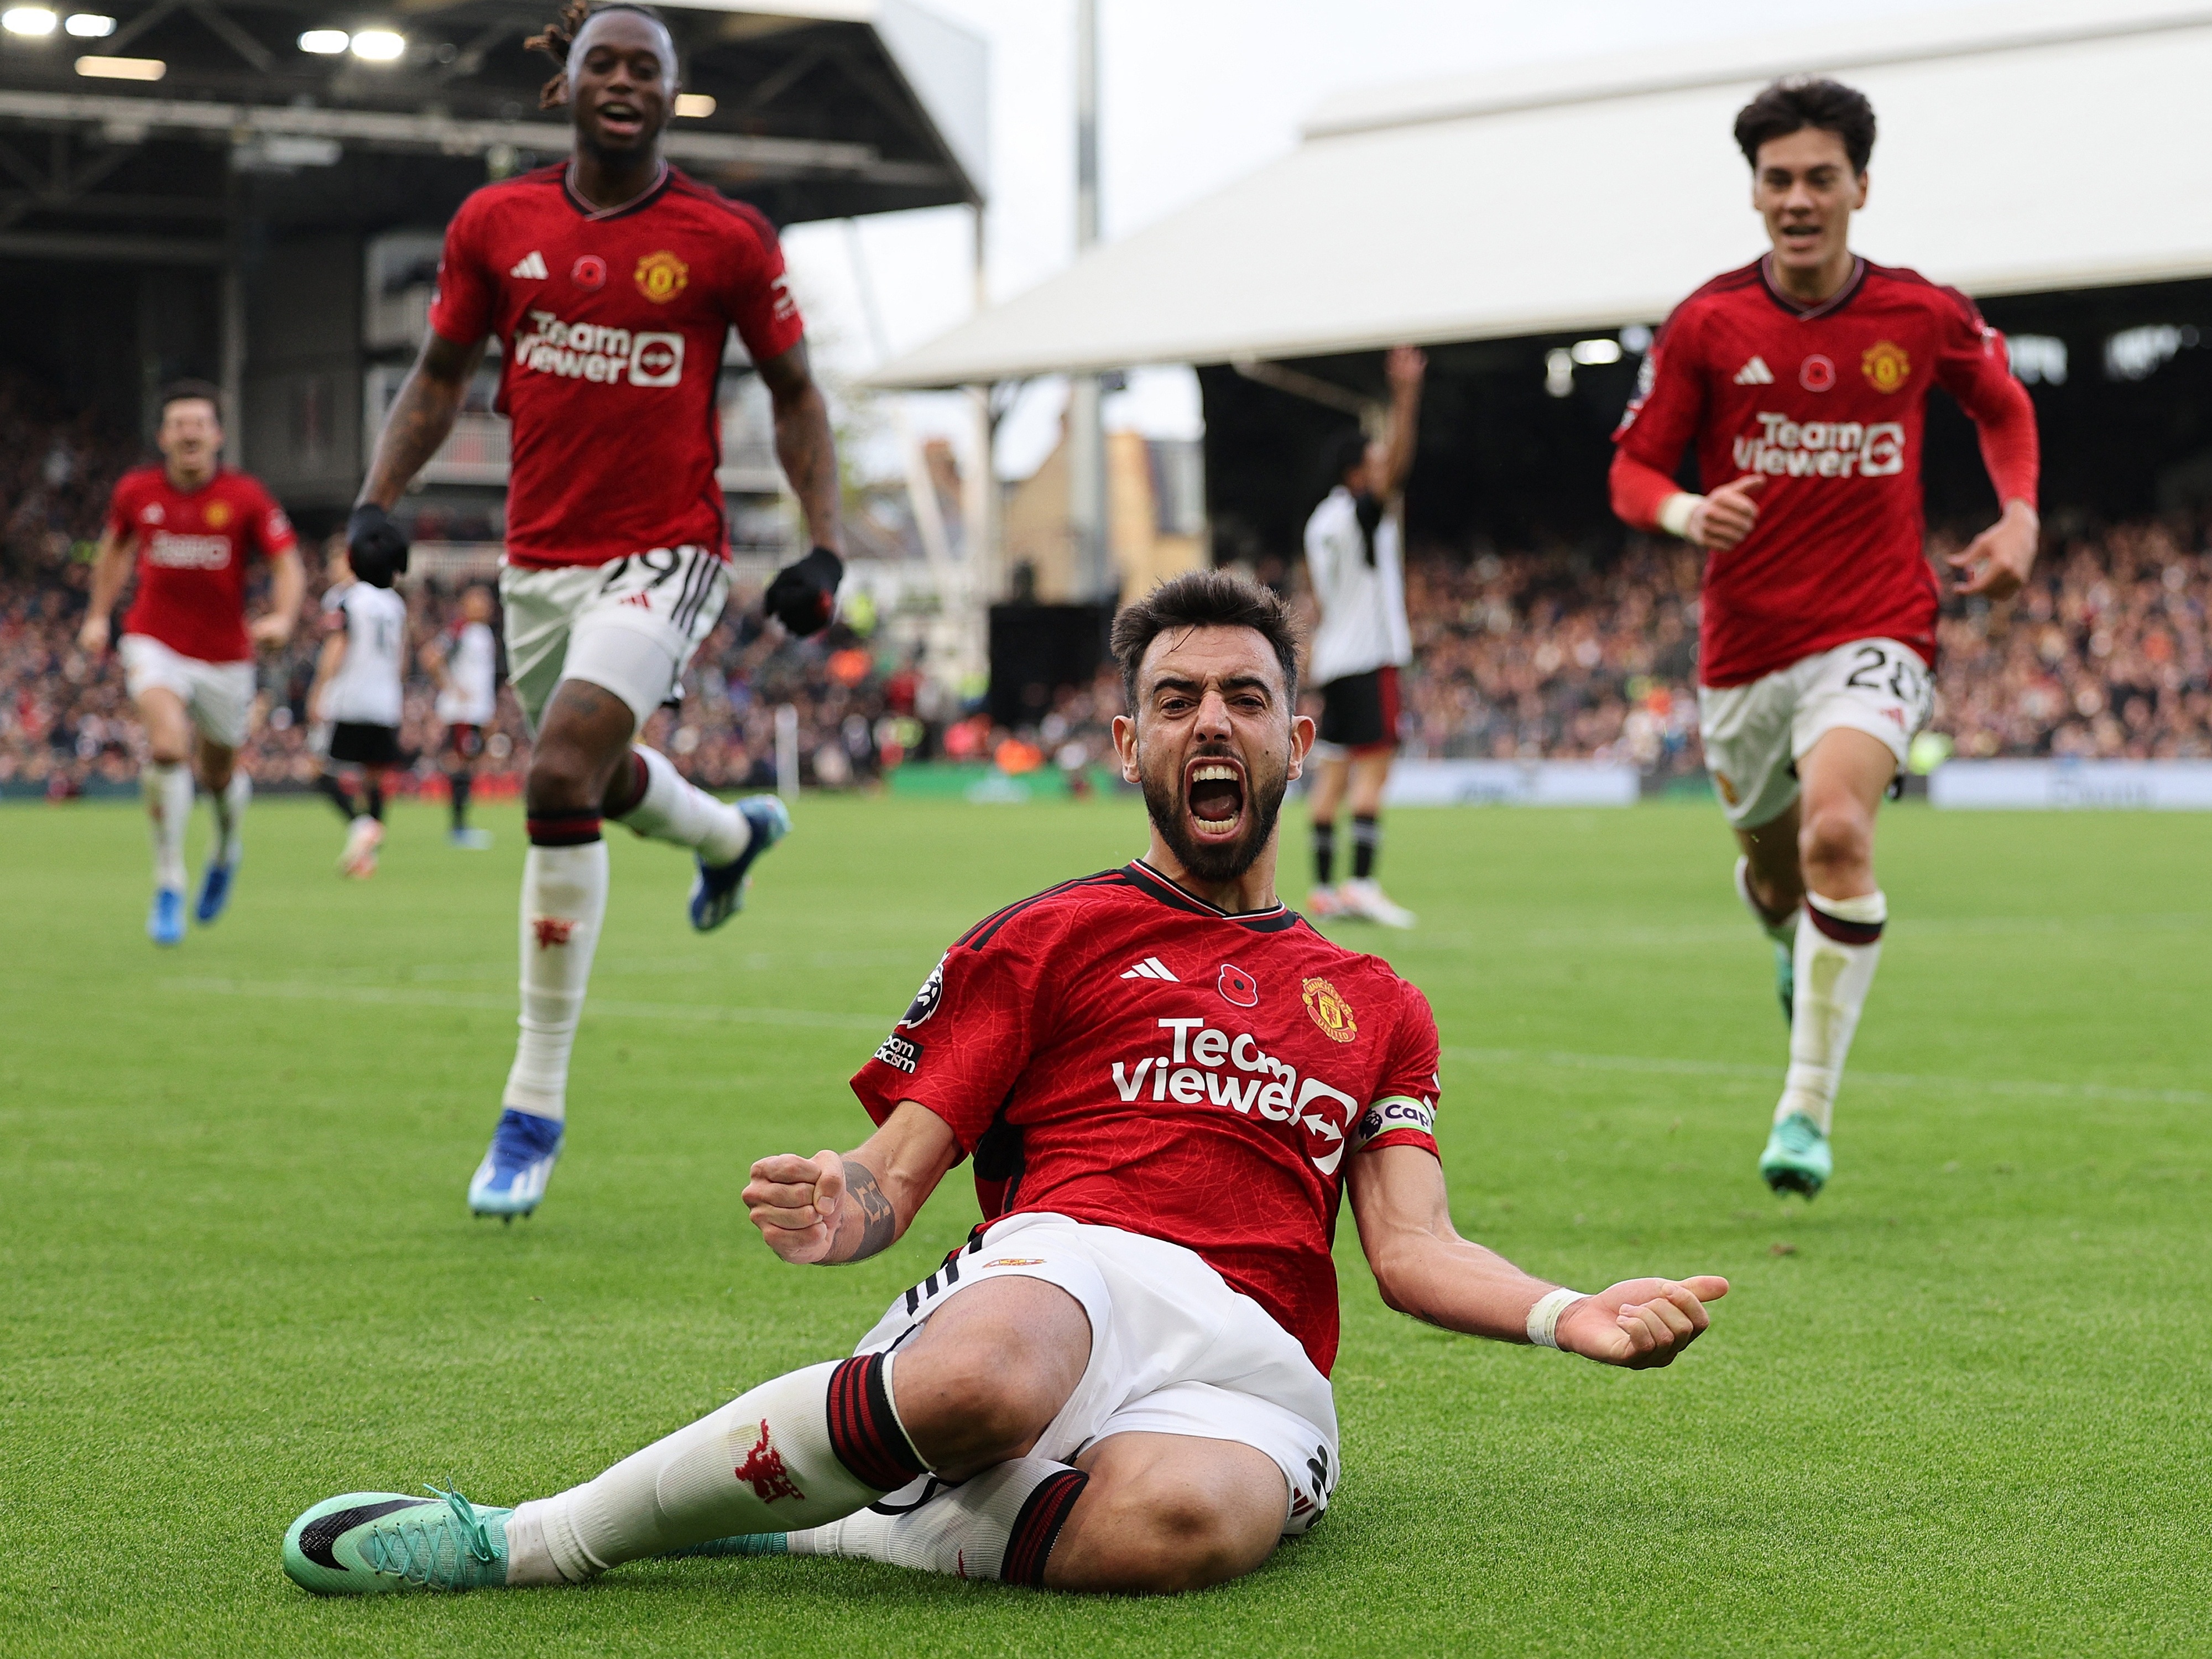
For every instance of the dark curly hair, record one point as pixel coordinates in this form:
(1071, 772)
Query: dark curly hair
(1204, 599)
(1799, 101)
(558, 36)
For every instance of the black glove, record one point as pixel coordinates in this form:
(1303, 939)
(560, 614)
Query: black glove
(804, 596)
(375, 547)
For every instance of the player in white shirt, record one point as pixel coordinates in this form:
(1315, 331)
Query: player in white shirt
(358, 693)
(1355, 559)
(464, 660)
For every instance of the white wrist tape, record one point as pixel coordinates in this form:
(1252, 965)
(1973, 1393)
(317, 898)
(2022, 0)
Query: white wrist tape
(1544, 1317)
(1674, 512)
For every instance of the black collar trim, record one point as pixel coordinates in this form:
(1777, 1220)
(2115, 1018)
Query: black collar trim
(1152, 884)
(1827, 308)
(636, 204)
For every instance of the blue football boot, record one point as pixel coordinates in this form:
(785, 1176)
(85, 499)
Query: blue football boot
(720, 892)
(215, 890)
(517, 1165)
(165, 922)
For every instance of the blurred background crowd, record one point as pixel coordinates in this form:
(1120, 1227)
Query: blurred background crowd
(1559, 653)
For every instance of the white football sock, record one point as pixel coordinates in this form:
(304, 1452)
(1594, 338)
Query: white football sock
(672, 810)
(963, 1531)
(1838, 949)
(762, 1463)
(1783, 932)
(229, 804)
(167, 788)
(564, 900)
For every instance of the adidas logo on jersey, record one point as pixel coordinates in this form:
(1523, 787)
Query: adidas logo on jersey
(1754, 372)
(1150, 967)
(531, 267)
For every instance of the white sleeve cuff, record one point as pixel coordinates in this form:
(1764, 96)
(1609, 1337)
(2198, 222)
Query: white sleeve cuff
(1674, 512)
(1544, 1317)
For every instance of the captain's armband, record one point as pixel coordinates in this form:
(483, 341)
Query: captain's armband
(1392, 1112)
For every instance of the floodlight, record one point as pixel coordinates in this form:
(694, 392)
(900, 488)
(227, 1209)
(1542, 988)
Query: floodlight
(694, 105)
(1589, 352)
(378, 45)
(27, 20)
(325, 43)
(122, 68)
(88, 25)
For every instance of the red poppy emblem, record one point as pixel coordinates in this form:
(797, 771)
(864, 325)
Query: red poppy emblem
(589, 272)
(1238, 987)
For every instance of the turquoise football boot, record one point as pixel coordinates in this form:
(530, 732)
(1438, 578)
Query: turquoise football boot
(375, 1543)
(743, 1543)
(719, 891)
(1797, 1159)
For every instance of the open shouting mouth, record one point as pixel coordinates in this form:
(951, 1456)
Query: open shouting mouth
(619, 118)
(1214, 791)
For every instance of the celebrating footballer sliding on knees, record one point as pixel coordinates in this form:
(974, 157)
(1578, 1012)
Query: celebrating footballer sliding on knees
(1167, 1081)
(1803, 382)
(612, 282)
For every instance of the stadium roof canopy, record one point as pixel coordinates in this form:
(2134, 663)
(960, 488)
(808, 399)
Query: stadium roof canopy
(142, 142)
(2036, 146)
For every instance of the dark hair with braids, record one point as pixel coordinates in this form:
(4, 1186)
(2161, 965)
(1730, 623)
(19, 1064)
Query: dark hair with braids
(555, 38)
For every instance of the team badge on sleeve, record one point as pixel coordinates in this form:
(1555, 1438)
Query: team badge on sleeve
(926, 999)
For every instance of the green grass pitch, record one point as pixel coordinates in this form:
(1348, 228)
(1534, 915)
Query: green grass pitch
(1959, 1405)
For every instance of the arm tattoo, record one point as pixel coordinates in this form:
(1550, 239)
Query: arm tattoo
(878, 1221)
(421, 417)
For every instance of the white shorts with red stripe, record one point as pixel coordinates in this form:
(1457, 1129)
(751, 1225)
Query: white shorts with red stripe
(1174, 1350)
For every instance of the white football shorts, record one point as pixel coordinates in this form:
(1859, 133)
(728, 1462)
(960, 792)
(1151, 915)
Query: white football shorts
(1755, 734)
(628, 626)
(1174, 1350)
(218, 696)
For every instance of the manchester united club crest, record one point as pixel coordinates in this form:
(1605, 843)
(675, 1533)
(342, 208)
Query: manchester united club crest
(1238, 986)
(217, 515)
(1886, 366)
(552, 931)
(661, 277)
(1329, 1010)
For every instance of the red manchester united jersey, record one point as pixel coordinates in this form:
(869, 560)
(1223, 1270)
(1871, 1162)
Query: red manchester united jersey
(611, 327)
(192, 549)
(1828, 404)
(1116, 1051)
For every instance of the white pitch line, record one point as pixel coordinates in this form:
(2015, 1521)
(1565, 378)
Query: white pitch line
(385, 995)
(1654, 1064)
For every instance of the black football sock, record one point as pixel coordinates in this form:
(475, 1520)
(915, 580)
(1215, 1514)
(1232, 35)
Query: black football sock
(1366, 846)
(1324, 844)
(334, 790)
(459, 783)
(376, 796)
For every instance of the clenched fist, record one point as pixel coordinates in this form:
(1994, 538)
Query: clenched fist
(796, 1203)
(1640, 1322)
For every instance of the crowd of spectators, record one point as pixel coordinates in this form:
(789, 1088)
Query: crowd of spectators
(1556, 655)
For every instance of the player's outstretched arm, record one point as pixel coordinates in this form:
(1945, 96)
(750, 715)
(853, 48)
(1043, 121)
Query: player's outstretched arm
(110, 568)
(805, 447)
(831, 1209)
(287, 586)
(1424, 1267)
(1404, 369)
(421, 417)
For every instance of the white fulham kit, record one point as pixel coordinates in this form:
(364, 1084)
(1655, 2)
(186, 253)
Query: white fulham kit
(470, 696)
(368, 689)
(1359, 581)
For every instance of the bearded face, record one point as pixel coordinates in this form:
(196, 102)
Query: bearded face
(1214, 745)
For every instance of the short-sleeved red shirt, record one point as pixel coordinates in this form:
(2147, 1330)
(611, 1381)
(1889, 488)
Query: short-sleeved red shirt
(611, 327)
(192, 549)
(1828, 404)
(1117, 1051)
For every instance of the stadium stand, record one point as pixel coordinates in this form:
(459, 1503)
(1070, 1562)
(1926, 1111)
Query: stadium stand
(1557, 654)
